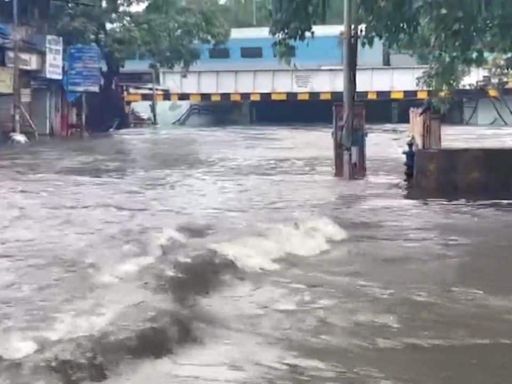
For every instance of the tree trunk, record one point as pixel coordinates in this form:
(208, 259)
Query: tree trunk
(106, 109)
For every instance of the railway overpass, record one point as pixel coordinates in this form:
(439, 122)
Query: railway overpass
(388, 92)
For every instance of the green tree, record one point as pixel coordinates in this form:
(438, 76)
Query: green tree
(167, 31)
(108, 24)
(450, 36)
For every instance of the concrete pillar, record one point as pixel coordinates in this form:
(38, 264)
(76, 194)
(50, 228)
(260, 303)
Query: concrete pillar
(394, 112)
(253, 114)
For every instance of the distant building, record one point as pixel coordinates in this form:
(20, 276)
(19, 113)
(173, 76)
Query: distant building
(40, 66)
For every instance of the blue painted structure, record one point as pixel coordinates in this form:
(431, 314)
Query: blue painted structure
(325, 49)
(314, 53)
(83, 69)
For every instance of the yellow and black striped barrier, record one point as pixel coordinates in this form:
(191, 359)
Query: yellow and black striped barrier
(135, 96)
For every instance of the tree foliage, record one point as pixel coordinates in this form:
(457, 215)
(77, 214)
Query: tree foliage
(169, 30)
(165, 30)
(240, 13)
(105, 23)
(450, 36)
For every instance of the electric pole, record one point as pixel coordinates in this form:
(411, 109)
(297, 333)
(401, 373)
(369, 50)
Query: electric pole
(154, 103)
(348, 87)
(254, 10)
(16, 69)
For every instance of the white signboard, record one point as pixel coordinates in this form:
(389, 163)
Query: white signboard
(27, 61)
(26, 95)
(54, 57)
(302, 80)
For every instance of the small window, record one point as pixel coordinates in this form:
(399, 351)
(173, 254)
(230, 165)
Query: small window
(218, 53)
(251, 52)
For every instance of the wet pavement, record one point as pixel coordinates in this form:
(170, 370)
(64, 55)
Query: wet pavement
(231, 255)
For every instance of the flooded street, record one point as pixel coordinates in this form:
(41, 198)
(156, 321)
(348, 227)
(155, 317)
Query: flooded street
(231, 255)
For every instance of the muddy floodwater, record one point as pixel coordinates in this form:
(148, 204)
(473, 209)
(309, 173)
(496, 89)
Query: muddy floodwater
(231, 255)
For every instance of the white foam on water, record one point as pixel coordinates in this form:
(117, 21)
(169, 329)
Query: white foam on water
(134, 262)
(90, 316)
(133, 266)
(460, 341)
(126, 269)
(248, 301)
(305, 238)
(168, 235)
(384, 319)
(13, 347)
(228, 357)
(71, 325)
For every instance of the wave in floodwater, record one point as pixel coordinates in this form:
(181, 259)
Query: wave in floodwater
(149, 305)
(260, 252)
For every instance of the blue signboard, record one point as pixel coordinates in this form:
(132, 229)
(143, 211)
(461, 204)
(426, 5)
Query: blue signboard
(84, 69)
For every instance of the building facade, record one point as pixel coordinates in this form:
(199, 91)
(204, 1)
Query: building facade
(40, 64)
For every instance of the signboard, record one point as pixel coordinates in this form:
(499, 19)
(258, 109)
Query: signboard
(6, 80)
(27, 61)
(39, 82)
(54, 57)
(84, 69)
(26, 95)
(302, 80)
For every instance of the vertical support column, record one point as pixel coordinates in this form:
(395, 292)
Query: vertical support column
(337, 132)
(252, 111)
(16, 70)
(154, 106)
(348, 85)
(348, 149)
(350, 162)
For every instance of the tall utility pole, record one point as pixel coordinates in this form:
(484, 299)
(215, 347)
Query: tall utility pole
(154, 103)
(16, 69)
(254, 10)
(348, 84)
(349, 77)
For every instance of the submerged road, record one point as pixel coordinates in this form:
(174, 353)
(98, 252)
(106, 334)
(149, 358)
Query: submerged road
(231, 255)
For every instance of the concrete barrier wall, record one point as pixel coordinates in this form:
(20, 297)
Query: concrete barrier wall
(463, 173)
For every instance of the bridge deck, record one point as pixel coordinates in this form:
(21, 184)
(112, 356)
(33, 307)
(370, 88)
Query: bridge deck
(373, 83)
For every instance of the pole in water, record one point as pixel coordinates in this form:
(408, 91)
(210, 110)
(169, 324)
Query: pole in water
(343, 140)
(16, 70)
(154, 102)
